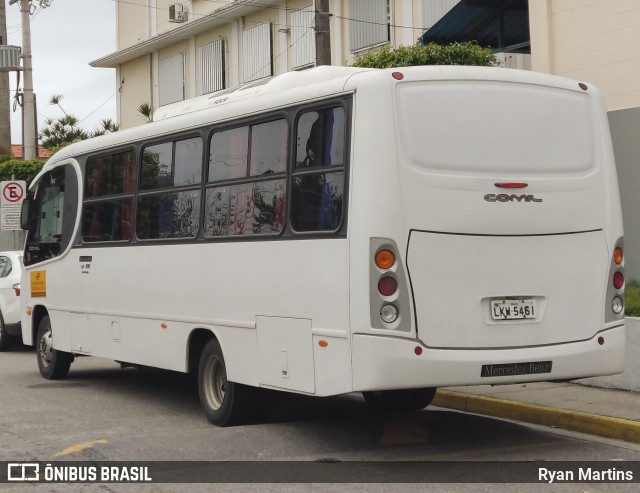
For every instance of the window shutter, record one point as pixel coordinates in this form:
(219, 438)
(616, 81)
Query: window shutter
(212, 64)
(171, 79)
(256, 52)
(303, 46)
(369, 23)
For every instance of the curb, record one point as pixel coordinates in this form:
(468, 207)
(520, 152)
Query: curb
(593, 424)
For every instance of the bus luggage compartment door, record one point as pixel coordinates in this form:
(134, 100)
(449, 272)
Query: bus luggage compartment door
(473, 291)
(285, 353)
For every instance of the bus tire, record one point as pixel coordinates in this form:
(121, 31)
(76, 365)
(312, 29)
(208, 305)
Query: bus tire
(52, 363)
(224, 403)
(399, 400)
(6, 341)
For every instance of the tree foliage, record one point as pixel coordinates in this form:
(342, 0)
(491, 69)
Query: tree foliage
(59, 132)
(146, 111)
(20, 170)
(468, 53)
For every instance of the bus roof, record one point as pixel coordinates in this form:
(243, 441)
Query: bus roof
(286, 89)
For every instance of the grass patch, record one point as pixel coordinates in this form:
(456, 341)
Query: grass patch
(632, 299)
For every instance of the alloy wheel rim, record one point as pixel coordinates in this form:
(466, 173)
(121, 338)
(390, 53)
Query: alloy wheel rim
(215, 381)
(45, 348)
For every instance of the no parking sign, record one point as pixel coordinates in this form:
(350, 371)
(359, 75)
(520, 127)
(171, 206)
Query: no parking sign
(12, 195)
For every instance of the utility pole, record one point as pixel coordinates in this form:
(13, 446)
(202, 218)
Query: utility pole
(5, 95)
(323, 33)
(29, 138)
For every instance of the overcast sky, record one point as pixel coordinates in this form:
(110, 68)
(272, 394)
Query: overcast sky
(65, 37)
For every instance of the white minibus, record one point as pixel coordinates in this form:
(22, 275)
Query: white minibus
(338, 230)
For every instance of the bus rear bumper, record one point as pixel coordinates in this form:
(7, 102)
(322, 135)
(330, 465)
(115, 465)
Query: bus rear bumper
(383, 363)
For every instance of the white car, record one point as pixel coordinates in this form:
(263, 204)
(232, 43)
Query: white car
(10, 275)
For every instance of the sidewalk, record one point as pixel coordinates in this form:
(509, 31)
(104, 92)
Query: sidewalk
(604, 406)
(604, 412)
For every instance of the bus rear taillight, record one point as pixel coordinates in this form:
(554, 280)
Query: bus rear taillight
(387, 286)
(618, 256)
(618, 280)
(389, 289)
(385, 259)
(615, 290)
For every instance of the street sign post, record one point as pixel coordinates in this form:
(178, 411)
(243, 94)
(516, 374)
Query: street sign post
(12, 194)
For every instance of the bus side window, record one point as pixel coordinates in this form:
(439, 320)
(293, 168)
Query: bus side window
(318, 180)
(105, 218)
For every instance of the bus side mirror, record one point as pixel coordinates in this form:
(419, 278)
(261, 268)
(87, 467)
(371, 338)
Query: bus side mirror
(28, 219)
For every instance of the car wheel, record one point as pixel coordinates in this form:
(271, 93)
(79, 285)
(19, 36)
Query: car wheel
(224, 403)
(53, 364)
(399, 400)
(6, 341)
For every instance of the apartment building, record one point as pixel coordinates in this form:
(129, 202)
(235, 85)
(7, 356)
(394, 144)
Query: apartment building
(169, 50)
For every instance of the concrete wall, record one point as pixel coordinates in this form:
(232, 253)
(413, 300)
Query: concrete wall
(625, 132)
(132, 23)
(135, 90)
(594, 41)
(11, 240)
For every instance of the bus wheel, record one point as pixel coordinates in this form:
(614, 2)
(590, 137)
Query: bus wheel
(225, 403)
(399, 400)
(53, 364)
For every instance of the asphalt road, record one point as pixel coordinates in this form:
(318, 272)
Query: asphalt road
(104, 413)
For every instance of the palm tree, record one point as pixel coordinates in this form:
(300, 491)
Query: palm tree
(145, 110)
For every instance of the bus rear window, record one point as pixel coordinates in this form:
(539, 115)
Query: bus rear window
(495, 127)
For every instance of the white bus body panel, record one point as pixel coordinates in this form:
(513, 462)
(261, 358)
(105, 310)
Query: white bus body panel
(439, 368)
(457, 132)
(455, 277)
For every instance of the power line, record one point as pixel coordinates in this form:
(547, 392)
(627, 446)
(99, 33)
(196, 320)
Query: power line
(108, 99)
(275, 7)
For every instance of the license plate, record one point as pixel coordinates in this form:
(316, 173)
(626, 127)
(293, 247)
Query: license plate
(513, 309)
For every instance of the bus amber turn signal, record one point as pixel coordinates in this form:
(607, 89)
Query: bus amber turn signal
(618, 256)
(385, 259)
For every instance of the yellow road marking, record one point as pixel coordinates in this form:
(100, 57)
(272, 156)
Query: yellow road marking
(79, 447)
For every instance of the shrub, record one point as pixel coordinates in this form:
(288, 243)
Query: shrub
(632, 299)
(20, 170)
(468, 53)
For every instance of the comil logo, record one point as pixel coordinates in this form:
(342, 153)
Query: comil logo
(23, 471)
(505, 197)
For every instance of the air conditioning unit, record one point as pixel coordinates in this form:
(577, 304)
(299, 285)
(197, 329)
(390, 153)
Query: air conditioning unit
(177, 13)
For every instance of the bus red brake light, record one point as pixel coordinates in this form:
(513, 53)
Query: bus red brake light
(387, 286)
(511, 185)
(385, 259)
(618, 280)
(618, 255)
